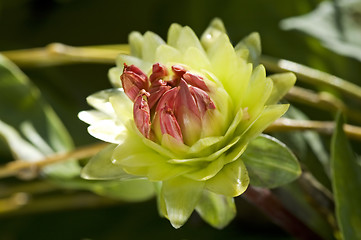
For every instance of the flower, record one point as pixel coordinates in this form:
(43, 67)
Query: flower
(181, 114)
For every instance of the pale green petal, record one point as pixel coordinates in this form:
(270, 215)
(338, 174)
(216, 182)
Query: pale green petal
(232, 71)
(167, 54)
(251, 43)
(231, 181)
(258, 91)
(114, 76)
(100, 167)
(151, 42)
(187, 39)
(208, 158)
(130, 60)
(165, 171)
(217, 210)
(137, 158)
(158, 148)
(92, 116)
(282, 83)
(173, 34)
(215, 29)
(100, 100)
(207, 170)
(108, 131)
(203, 146)
(181, 196)
(268, 116)
(196, 59)
(136, 41)
(122, 106)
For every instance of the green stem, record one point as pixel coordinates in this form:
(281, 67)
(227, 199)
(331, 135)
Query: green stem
(311, 76)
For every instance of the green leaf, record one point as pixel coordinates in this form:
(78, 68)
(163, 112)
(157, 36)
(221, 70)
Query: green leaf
(270, 163)
(346, 184)
(335, 24)
(22, 108)
(217, 210)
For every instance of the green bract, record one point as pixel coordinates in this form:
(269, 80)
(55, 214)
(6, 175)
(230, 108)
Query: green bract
(207, 169)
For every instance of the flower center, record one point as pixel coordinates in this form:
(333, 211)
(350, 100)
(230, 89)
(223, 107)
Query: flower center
(172, 104)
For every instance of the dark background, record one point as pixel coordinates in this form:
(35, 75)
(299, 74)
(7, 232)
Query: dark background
(36, 23)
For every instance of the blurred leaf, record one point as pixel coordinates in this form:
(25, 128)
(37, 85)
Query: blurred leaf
(335, 23)
(129, 190)
(42, 133)
(346, 183)
(270, 163)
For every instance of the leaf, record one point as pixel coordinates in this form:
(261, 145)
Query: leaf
(22, 108)
(270, 163)
(217, 210)
(346, 184)
(335, 24)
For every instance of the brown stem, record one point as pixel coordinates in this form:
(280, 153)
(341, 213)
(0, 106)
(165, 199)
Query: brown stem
(265, 201)
(286, 124)
(15, 167)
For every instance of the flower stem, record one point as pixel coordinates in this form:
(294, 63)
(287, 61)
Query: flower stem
(286, 124)
(16, 167)
(322, 101)
(59, 54)
(311, 76)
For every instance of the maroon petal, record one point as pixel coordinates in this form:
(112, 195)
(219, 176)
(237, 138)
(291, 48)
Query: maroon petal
(204, 102)
(133, 80)
(168, 99)
(195, 80)
(159, 71)
(141, 113)
(169, 124)
(156, 92)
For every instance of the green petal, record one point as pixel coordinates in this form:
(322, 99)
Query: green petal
(282, 83)
(231, 181)
(100, 100)
(207, 170)
(108, 130)
(138, 159)
(216, 209)
(136, 41)
(92, 116)
(167, 54)
(270, 163)
(208, 158)
(181, 196)
(131, 60)
(187, 39)
(215, 29)
(196, 59)
(151, 42)
(263, 120)
(232, 71)
(251, 43)
(258, 91)
(100, 167)
(114, 76)
(122, 105)
(173, 34)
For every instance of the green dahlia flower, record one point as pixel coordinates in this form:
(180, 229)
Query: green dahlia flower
(181, 116)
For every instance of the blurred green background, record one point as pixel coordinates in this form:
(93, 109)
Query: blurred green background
(36, 23)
